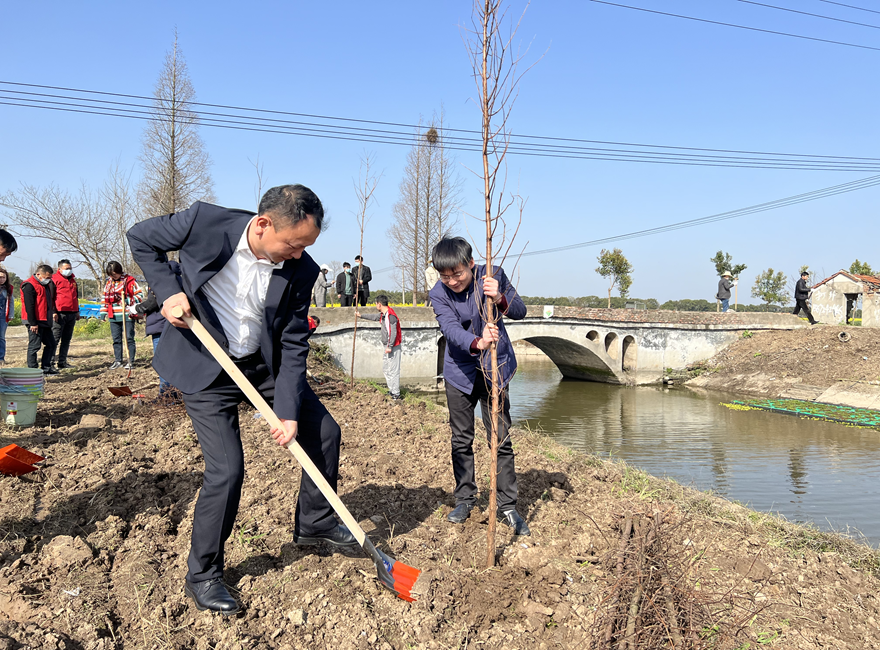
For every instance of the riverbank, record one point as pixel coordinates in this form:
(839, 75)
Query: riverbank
(93, 548)
(830, 364)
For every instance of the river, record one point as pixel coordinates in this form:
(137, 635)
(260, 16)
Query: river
(805, 470)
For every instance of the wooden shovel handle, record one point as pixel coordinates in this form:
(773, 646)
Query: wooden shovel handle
(274, 421)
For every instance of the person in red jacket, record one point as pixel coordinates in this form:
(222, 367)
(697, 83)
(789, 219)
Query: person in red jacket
(67, 309)
(391, 337)
(38, 313)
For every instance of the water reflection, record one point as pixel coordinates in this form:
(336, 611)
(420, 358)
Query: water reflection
(807, 470)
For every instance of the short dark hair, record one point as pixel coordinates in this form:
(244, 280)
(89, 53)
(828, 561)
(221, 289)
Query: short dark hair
(290, 204)
(113, 267)
(344, 264)
(7, 241)
(43, 268)
(450, 252)
(64, 261)
(382, 299)
(803, 273)
(358, 258)
(317, 320)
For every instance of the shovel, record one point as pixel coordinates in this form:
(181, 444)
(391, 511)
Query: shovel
(16, 461)
(396, 576)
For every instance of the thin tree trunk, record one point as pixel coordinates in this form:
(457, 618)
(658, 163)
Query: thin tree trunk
(494, 406)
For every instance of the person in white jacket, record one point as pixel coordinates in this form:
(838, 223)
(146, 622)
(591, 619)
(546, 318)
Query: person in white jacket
(319, 292)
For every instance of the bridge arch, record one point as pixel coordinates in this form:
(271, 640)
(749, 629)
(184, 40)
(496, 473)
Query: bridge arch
(576, 361)
(629, 353)
(611, 345)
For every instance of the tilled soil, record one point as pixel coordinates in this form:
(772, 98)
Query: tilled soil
(769, 362)
(93, 547)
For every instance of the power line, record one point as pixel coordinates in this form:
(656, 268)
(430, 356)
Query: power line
(806, 13)
(831, 2)
(456, 143)
(722, 216)
(843, 188)
(515, 137)
(754, 29)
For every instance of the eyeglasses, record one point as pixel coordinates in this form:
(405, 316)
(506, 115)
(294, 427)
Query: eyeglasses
(455, 276)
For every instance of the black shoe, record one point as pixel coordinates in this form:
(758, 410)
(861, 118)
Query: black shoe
(67, 366)
(460, 513)
(396, 397)
(51, 371)
(211, 594)
(339, 536)
(115, 365)
(512, 519)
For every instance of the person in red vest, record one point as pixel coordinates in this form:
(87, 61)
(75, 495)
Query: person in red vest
(38, 313)
(391, 337)
(67, 310)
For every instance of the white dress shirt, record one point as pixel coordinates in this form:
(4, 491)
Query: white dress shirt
(238, 295)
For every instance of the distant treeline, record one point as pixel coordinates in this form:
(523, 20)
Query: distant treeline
(600, 302)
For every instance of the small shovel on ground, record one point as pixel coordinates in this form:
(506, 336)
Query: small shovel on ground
(396, 576)
(15, 461)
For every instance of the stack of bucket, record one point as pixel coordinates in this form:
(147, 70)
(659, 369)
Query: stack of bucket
(20, 391)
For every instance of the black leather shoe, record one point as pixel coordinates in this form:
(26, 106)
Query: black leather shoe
(460, 513)
(512, 519)
(211, 594)
(339, 536)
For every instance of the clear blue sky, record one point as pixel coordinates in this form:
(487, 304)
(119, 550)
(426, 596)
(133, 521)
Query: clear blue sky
(609, 74)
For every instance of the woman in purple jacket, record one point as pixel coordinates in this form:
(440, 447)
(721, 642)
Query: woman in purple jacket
(459, 302)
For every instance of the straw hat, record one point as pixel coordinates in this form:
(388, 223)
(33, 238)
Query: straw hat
(727, 273)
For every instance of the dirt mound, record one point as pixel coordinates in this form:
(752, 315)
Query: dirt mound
(93, 547)
(767, 363)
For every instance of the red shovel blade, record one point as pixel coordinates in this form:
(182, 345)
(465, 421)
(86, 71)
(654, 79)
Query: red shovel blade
(12, 467)
(23, 455)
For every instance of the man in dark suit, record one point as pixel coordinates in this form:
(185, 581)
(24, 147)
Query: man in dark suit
(363, 281)
(249, 280)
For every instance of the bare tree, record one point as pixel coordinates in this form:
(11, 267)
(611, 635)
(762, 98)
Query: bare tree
(428, 203)
(76, 225)
(175, 163)
(258, 188)
(496, 75)
(364, 190)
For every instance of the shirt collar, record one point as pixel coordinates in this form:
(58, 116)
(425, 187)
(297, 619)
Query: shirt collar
(244, 247)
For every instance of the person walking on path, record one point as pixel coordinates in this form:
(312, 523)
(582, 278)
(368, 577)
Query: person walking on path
(431, 278)
(391, 338)
(120, 291)
(801, 295)
(67, 306)
(7, 310)
(38, 313)
(249, 280)
(724, 287)
(151, 312)
(345, 282)
(319, 292)
(363, 280)
(459, 300)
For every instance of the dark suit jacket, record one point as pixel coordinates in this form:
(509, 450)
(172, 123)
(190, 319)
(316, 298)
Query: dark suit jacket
(366, 276)
(206, 236)
(340, 285)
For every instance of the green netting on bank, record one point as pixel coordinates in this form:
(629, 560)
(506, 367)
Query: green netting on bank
(845, 414)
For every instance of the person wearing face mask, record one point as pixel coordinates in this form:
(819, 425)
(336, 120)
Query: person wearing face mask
(67, 306)
(38, 313)
(120, 291)
(7, 310)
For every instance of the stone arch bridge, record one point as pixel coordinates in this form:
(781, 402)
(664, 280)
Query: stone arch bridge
(618, 346)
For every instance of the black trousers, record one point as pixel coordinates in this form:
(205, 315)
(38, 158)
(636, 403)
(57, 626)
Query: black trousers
(461, 419)
(802, 304)
(362, 299)
(347, 301)
(43, 337)
(62, 331)
(214, 414)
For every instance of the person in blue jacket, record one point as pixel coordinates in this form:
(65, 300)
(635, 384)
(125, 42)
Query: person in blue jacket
(459, 301)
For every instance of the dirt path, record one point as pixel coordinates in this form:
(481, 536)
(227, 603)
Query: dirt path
(769, 363)
(93, 548)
